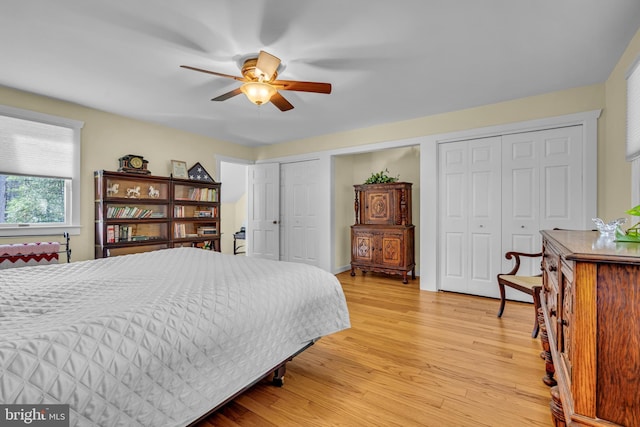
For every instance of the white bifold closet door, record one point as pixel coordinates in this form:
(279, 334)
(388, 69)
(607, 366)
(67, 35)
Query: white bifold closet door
(469, 209)
(496, 194)
(541, 189)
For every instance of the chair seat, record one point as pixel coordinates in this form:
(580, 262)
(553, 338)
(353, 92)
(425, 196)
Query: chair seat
(528, 284)
(524, 281)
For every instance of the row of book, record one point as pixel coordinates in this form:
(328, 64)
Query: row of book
(181, 212)
(123, 233)
(130, 212)
(203, 194)
(207, 231)
(180, 231)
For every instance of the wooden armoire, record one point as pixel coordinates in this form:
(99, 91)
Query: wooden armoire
(383, 236)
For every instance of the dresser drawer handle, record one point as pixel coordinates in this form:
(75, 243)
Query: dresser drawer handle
(553, 268)
(563, 322)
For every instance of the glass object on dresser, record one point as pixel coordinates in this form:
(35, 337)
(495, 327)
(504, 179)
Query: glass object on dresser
(196, 214)
(132, 213)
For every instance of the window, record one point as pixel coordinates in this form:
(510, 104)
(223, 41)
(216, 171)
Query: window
(39, 173)
(633, 111)
(633, 129)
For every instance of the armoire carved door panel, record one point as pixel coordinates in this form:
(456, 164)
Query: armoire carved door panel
(391, 252)
(363, 248)
(378, 208)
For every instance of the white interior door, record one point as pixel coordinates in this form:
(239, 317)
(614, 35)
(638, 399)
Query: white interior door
(263, 207)
(299, 212)
(542, 188)
(469, 203)
(521, 194)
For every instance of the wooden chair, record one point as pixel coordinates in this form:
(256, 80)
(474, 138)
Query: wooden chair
(528, 284)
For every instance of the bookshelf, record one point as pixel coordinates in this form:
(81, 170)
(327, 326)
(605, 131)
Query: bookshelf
(196, 214)
(139, 213)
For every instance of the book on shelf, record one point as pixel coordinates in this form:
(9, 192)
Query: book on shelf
(111, 236)
(203, 231)
(128, 212)
(125, 234)
(204, 213)
(203, 194)
(120, 233)
(179, 231)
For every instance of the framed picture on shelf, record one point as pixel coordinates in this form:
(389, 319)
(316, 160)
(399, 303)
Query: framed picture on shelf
(179, 169)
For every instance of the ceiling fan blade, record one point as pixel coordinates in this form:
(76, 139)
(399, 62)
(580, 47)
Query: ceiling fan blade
(280, 102)
(302, 86)
(240, 79)
(267, 64)
(227, 95)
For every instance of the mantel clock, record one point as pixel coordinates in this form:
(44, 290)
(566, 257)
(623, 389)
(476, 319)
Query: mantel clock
(132, 163)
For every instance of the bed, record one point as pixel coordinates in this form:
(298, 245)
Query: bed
(159, 338)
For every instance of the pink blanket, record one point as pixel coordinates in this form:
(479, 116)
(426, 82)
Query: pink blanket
(22, 254)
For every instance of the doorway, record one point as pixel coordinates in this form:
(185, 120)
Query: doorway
(233, 200)
(353, 169)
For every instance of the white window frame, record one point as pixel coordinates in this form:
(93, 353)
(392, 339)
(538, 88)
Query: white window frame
(72, 220)
(633, 122)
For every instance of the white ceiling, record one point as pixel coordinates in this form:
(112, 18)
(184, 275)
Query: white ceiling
(387, 60)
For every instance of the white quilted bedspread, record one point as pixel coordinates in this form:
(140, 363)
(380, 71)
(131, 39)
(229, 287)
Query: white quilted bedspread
(159, 338)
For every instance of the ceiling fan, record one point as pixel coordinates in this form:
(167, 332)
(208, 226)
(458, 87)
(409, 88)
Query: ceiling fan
(260, 84)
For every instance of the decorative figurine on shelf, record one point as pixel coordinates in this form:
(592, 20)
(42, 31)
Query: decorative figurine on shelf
(609, 228)
(632, 234)
(198, 173)
(133, 193)
(154, 193)
(112, 190)
(132, 163)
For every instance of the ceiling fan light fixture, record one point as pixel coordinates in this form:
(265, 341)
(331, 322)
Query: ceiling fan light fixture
(258, 92)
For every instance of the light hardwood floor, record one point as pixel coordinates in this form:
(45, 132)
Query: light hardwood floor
(411, 358)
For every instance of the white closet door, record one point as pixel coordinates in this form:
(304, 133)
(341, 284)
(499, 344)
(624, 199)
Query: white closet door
(521, 200)
(470, 209)
(542, 188)
(299, 212)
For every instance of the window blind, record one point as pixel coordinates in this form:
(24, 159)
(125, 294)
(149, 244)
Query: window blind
(36, 149)
(633, 111)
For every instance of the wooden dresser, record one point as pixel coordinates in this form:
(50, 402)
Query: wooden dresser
(382, 239)
(590, 320)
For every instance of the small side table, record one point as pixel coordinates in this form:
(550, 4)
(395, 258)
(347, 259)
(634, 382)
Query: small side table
(239, 235)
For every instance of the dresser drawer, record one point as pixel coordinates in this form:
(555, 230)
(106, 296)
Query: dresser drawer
(551, 263)
(565, 321)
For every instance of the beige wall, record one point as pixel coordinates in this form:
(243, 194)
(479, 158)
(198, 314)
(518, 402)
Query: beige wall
(233, 216)
(105, 138)
(344, 215)
(227, 217)
(535, 107)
